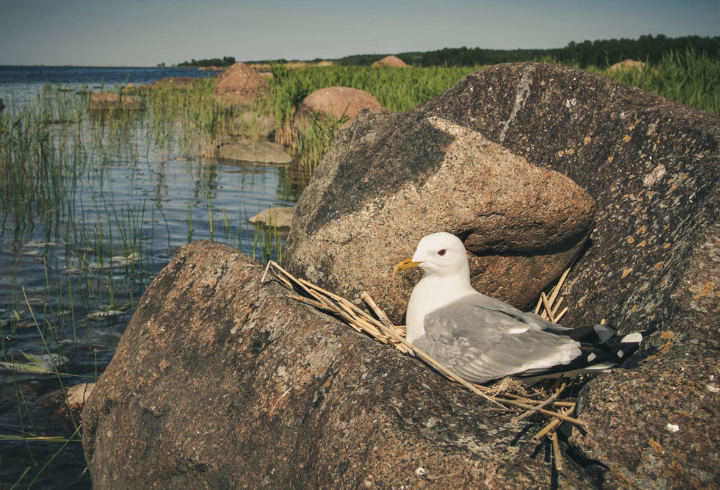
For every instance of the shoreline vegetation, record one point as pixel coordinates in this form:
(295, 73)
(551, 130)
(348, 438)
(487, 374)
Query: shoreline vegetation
(688, 77)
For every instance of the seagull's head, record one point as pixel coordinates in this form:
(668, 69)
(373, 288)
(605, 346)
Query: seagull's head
(439, 254)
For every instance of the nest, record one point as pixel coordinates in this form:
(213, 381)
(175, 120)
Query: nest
(507, 395)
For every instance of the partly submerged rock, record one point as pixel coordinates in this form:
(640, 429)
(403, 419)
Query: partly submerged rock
(393, 178)
(255, 151)
(239, 84)
(221, 381)
(99, 101)
(278, 217)
(68, 404)
(341, 103)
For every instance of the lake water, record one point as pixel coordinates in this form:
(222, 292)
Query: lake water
(84, 229)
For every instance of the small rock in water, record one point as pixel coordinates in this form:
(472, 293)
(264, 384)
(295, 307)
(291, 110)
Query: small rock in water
(280, 217)
(255, 151)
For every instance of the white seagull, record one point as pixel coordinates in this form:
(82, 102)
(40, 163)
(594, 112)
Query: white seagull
(482, 338)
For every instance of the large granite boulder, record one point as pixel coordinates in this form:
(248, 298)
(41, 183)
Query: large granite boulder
(240, 84)
(652, 166)
(337, 102)
(221, 381)
(393, 178)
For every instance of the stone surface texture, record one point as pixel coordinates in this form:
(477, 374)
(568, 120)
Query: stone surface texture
(337, 102)
(221, 381)
(239, 84)
(393, 178)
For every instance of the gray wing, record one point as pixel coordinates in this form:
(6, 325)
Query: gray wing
(480, 341)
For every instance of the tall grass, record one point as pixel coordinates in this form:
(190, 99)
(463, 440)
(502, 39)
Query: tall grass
(686, 77)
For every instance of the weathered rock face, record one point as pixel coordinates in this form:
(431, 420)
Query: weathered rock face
(254, 151)
(239, 84)
(393, 178)
(652, 166)
(220, 381)
(337, 102)
(392, 61)
(105, 101)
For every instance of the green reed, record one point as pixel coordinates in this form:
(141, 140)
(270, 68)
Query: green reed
(686, 77)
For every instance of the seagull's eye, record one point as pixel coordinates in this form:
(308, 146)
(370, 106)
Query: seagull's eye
(442, 252)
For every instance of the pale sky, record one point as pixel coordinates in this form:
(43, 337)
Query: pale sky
(148, 32)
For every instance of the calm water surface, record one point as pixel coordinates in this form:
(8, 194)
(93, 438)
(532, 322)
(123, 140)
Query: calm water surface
(75, 259)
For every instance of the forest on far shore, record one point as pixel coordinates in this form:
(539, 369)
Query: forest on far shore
(599, 53)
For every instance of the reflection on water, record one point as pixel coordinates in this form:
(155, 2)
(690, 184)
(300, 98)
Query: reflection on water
(95, 209)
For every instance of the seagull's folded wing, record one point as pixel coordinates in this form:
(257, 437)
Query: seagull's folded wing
(480, 341)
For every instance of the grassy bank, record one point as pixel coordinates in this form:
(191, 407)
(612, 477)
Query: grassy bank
(684, 77)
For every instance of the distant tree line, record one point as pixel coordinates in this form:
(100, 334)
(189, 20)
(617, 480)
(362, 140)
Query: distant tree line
(220, 63)
(601, 53)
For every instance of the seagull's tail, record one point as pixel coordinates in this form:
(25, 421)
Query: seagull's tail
(600, 353)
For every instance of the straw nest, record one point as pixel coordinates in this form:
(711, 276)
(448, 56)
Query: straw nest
(508, 394)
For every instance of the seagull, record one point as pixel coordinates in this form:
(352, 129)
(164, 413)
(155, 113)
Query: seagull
(482, 339)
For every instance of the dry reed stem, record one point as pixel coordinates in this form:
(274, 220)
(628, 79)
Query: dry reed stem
(562, 314)
(548, 307)
(544, 404)
(557, 456)
(556, 289)
(553, 424)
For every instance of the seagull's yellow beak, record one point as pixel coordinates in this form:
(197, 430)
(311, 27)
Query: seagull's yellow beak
(406, 264)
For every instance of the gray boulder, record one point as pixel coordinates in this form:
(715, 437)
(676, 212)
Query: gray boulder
(221, 381)
(393, 178)
(254, 151)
